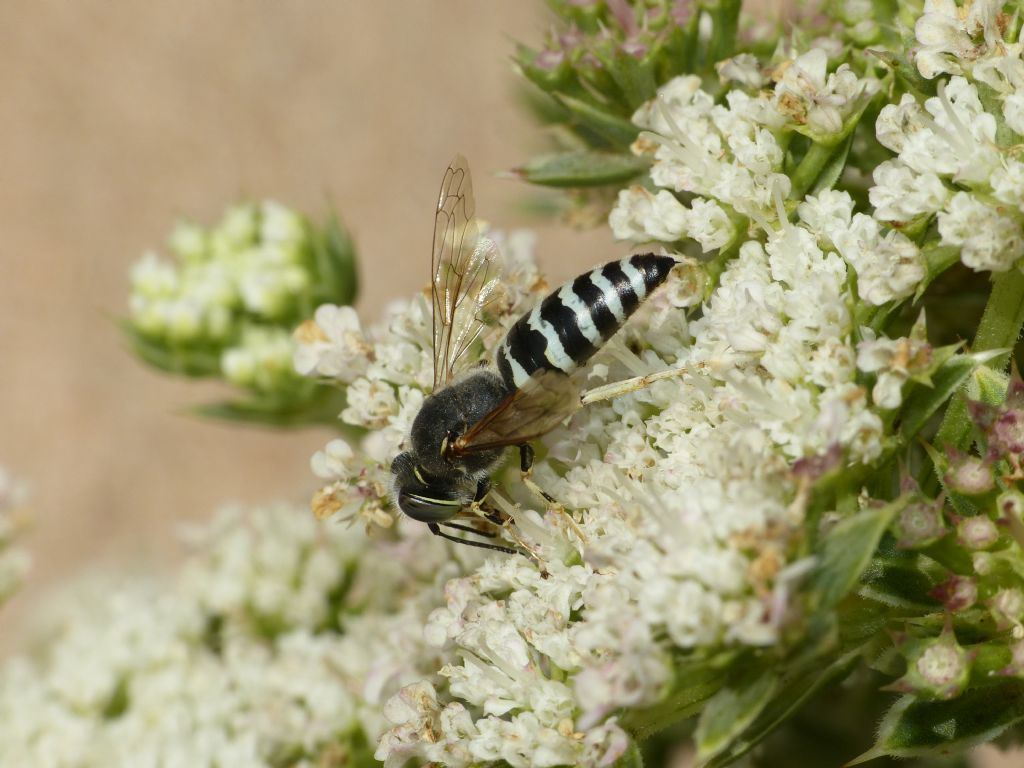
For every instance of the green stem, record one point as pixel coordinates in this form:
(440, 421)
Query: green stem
(725, 23)
(999, 328)
(810, 168)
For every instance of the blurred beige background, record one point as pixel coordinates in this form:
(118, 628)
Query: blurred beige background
(117, 118)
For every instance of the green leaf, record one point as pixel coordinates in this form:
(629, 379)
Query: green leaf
(902, 580)
(730, 712)
(334, 264)
(163, 355)
(846, 553)
(988, 386)
(633, 758)
(614, 128)
(633, 76)
(914, 728)
(696, 681)
(937, 259)
(924, 402)
(725, 16)
(796, 688)
(998, 331)
(319, 406)
(833, 169)
(582, 169)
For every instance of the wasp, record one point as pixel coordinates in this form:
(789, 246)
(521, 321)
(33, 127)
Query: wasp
(473, 415)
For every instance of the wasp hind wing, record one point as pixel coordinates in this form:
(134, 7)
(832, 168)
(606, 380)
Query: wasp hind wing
(533, 410)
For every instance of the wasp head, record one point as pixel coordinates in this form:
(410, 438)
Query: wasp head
(425, 497)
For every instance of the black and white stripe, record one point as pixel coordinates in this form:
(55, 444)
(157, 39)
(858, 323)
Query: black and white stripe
(570, 325)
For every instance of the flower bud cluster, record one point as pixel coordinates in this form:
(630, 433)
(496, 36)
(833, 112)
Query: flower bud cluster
(605, 59)
(228, 300)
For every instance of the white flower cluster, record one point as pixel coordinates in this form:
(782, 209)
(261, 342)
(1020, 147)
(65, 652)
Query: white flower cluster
(816, 100)
(730, 156)
(956, 156)
(893, 361)
(888, 264)
(955, 39)
(688, 515)
(807, 99)
(14, 562)
(262, 654)
(725, 154)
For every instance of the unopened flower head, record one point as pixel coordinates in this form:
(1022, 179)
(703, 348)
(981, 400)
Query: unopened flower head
(957, 593)
(228, 300)
(937, 668)
(970, 475)
(977, 532)
(920, 523)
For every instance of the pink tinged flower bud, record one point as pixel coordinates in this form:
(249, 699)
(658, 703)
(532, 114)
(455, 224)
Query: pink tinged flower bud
(957, 593)
(937, 668)
(944, 667)
(982, 414)
(1007, 435)
(816, 467)
(977, 532)
(1011, 506)
(635, 48)
(549, 60)
(1016, 666)
(969, 475)
(983, 563)
(919, 525)
(1007, 608)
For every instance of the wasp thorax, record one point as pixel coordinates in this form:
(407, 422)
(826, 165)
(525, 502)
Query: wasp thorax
(446, 415)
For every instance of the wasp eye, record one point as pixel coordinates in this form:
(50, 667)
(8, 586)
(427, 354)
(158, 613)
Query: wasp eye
(426, 509)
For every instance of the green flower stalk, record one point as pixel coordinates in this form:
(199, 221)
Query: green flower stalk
(227, 303)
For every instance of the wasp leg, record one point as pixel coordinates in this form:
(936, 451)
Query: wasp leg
(624, 387)
(470, 529)
(482, 489)
(501, 515)
(507, 524)
(526, 456)
(434, 529)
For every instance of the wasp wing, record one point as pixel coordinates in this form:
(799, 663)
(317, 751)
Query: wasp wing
(465, 271)
(533, 410)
